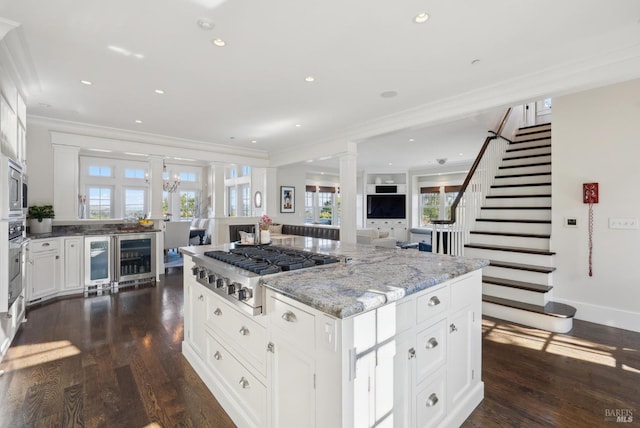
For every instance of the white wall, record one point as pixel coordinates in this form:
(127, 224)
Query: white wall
(40, 165)
(596, 138)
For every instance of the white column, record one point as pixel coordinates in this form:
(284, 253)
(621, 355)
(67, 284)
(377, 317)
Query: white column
(66, 186)
(219, 228)
(155, 187)
(348, 192)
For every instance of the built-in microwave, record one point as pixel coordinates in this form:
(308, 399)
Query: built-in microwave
(12, 204)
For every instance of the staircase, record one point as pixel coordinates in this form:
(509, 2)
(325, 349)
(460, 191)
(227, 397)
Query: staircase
(513, 231)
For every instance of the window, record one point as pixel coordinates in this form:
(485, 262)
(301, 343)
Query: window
(134, 173)
(246, 170)
(100, 202)
(233, 202)
(436, 202)
(187, 176)
(246, 199)
(99, 171)
(187, 204)
(134, 202)
(321, 204)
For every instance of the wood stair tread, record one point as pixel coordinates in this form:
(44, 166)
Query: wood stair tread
(511, 249)
(521, 266)
(532, 174)
(520, 149)
(504, 220)
(528, 140)
(553, 309)
(539, 155)
(515, 208)
(539, 288)
(504, 186)
(541, 195)
(515, 235)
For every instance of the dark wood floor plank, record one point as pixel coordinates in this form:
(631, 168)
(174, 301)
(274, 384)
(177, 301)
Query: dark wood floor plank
(73, 416)
(132, 409)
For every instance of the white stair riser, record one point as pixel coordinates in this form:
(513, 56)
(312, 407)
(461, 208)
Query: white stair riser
(518, 275)
(508, 214)
(532, 319)
(518, 202)
(510, 256)
(510, 241)
(531, 133)
(530, 151)
(525, 161)
(530, 141)
(525, 190)
(525, 169)
(518, 294)
(494, 226)
(526, 179)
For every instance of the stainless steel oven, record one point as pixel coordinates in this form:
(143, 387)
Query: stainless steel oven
(11, 204)
(11, 281)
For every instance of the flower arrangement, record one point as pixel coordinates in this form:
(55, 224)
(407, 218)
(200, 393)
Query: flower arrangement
(265, 222)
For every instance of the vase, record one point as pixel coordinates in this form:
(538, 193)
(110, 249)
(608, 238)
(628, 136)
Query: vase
(43, 226)
(265, 237)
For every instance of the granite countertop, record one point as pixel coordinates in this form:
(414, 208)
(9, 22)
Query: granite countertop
(366, 278)
(62, 231)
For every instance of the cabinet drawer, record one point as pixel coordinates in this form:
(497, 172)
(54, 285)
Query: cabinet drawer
(246, 390)
(431, 349)
(40, 245)
(295, 323)
(432, 304)
(430, 402)
(242, 333)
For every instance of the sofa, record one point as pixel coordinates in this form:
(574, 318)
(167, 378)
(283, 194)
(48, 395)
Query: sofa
(313, 231)
(379, 238)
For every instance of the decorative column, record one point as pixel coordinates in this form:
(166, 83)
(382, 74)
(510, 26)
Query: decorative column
(66, 186)
(155, 187)
(349, 194)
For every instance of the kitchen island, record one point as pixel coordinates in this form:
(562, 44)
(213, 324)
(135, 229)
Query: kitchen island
(384, 337)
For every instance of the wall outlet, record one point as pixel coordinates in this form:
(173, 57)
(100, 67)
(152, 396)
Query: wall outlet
(623, 223)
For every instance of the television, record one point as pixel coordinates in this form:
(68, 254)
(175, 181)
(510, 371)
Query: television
(386, 206)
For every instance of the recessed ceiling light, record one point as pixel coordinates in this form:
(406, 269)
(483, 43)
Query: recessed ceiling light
(390, 163)
(309, 160)
(159, 91)
(475, 61)
(388, 94)
(309, 79)
(460, 154)
(421, 18)
(219, 42)
(138, 121)
(411, 140)
(298, 125)
(139, 56)
(205, 24)
(254, 141)
(86, 82)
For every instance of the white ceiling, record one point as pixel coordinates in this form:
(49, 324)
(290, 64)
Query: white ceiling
(254, 88)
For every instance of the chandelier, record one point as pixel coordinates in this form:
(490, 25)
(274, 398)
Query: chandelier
(169, 185)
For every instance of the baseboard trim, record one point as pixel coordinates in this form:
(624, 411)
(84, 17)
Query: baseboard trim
(618, 318)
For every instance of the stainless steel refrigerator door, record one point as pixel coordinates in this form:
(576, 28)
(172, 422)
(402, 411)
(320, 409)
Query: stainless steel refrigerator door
(135, 256)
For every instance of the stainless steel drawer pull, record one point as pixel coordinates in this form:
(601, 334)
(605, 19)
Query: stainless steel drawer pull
(244, 331)
(289, 317)
(201, 297)
(45, 244)
(217, 355)
(432, 343)
(217, 312)
(432, 400)
(412, 353)
(244, 383)
(434, 301)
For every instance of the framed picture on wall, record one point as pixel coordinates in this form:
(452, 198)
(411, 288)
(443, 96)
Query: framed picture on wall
(287, 199)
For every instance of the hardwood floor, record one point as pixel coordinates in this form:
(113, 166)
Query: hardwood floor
(115, 361)
(106, 361)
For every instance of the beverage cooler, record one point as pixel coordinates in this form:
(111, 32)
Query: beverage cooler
(115, 261)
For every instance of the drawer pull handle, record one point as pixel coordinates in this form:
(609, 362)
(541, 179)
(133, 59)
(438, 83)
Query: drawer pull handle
(217, 312)
(46, 244)
(217, 355)
(201, 297)
(432, 343)
(432, 400)
(434, 301)
(244, 331)
(244, 383)
(289, 317)
(452, 328)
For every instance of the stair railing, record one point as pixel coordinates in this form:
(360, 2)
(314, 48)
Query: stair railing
(450, 236)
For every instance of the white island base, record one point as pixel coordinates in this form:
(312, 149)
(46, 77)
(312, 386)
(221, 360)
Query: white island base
(411, 363)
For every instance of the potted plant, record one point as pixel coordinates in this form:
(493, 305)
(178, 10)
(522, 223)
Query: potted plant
(265, 235)
(39, 217)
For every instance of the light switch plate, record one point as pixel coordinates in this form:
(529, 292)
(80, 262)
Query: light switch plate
(623, 223)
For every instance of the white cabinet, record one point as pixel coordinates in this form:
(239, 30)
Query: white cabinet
(292, 365)
(194, 316)
(396, 228)
(10, 323)
(72, 274)
(43, 268)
